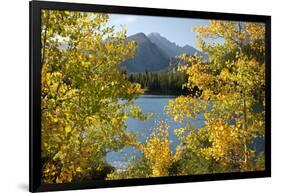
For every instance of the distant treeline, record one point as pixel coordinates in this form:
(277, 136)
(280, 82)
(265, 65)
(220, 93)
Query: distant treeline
(161, 82)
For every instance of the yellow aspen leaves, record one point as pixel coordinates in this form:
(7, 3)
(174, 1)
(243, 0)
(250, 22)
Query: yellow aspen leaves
(232, 86)
(82, 85)
(67, 128)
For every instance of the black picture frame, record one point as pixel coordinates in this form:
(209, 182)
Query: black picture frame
(34, 99)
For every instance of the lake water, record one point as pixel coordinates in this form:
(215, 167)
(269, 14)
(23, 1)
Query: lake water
(156, 105)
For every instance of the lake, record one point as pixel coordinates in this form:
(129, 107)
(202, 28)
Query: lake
(156, 105)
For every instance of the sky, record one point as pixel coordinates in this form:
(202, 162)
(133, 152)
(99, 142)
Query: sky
(177, 30)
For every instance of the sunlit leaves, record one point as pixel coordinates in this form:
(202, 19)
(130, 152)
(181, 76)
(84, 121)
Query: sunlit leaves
(85, 99)
(157, 150)
(183, 107)
(232, 97)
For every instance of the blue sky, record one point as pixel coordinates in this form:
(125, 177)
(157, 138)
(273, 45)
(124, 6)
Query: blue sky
(178, 30)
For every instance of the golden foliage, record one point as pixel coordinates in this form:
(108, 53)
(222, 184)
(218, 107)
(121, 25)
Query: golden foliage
(86, 100)
(157, 150)
(82, 118)
(231, 97)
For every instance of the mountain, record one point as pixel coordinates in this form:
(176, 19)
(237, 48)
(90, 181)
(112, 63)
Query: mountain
(148, 56)
(171, 49)
(156, 53)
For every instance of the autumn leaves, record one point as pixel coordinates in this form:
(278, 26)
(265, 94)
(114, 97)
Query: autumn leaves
(83, 118)
(230, 87)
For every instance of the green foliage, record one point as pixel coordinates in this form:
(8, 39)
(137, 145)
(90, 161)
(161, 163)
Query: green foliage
(161, 82)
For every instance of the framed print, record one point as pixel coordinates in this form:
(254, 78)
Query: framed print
(125, 96)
